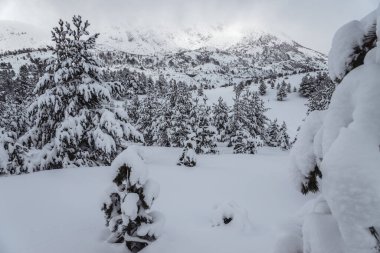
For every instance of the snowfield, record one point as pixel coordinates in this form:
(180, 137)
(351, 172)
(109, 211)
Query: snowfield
(59, 211)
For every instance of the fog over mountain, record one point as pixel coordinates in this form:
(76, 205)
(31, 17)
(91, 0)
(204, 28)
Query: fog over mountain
(309, 22)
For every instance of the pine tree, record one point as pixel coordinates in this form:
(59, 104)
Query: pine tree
(205, 132)
(307, 86)
(281, 93)
(220, 118)
(172, 126)
(248, 122)
(321, 97)
(161, 85)
(148, 113)
(289, 88)
(272, 134)
(244, 143)
(6, 148)
(126, 212)
(262, 88)
(73, 123)
(283, 137)
(188, 156)
(180, 102)
(133, 107)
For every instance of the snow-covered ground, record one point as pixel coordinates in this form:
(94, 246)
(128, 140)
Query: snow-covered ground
(59, 211)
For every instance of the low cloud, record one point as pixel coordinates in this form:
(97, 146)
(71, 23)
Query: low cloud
(311, 22)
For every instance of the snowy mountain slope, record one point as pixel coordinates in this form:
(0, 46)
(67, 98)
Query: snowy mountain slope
(208, 56)
(163, 40)
(16, 35)
(59, 211)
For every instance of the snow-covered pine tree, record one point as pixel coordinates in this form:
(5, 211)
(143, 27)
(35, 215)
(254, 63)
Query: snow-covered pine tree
(172, 125)
(262, 88)
(248, 121)
(6, 147)
(11, 154)
(161, 85)
(272, 134)
(133, 194)
(220, 119)
(289, 88)
(307, 86)
(243, 142)
(133, 107)
(281, 93)
(321, 97)
(205, 132)
(200, 91)
(180, 101)
(148, 113)
(188, 156)
(283, 137)
(254, 110)
(72, 122)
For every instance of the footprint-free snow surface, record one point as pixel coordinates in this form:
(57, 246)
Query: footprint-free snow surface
(59, 211)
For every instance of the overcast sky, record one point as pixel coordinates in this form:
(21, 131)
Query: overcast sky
(311, 22)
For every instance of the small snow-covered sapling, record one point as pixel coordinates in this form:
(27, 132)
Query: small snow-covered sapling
(126, 211)
(188, 157)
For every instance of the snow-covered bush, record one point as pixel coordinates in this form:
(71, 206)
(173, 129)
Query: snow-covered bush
(188, 156)
(73, 120)
(337, 153)
(126, 211)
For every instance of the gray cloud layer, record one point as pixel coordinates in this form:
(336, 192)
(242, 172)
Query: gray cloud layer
(311, 22)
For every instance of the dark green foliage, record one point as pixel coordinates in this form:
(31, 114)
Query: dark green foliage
(321, 97)
(311, 184)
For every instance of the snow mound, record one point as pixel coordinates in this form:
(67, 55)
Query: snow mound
(230, 214)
